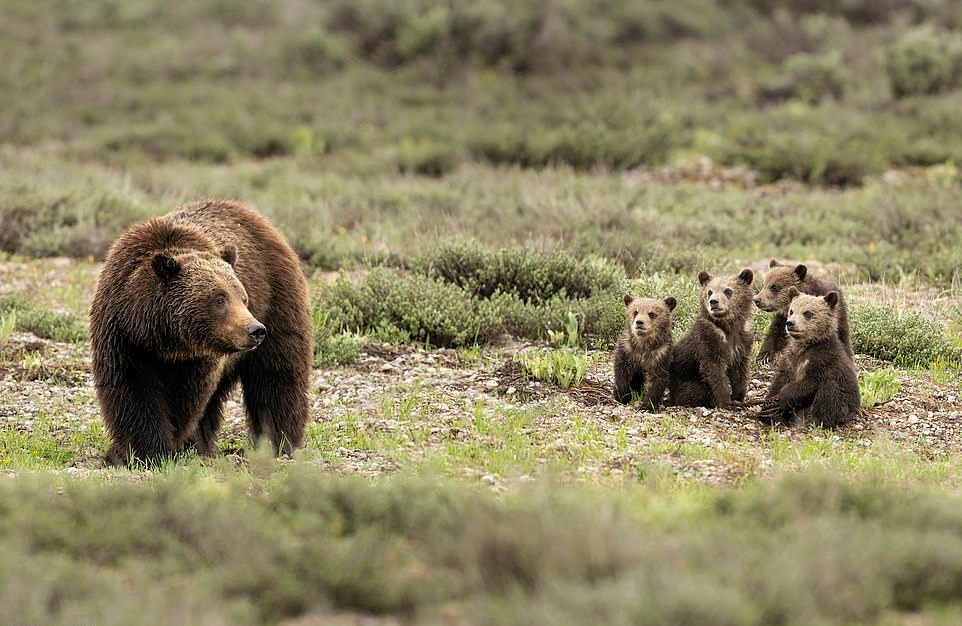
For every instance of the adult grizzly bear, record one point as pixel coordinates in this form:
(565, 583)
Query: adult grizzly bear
(773, 298)
(816, 376)
(643, 353)
(711, 364)
(187, 305)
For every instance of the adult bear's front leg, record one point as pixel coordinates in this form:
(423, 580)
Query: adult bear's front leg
(137, 418)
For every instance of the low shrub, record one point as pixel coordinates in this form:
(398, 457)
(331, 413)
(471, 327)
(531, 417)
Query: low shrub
(827, 146)
(41, 322)
(529, 274)
(396, 306)
(333, 346)
(810, 78)
(924, 61)
(905, 339)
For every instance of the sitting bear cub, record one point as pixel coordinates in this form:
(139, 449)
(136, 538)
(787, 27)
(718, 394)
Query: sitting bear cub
(643, 353)
(710, 366)
(815, 378)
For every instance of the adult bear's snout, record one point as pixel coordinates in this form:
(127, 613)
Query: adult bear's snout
(256, 332)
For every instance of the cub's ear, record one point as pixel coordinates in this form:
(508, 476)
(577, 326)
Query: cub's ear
(747, 276)
(831, 298)
(229, 254)
(671, 303)
(703, 277)
(628, 299)
(772, 263)
(792, 293)
(165, 266)
(801, 271)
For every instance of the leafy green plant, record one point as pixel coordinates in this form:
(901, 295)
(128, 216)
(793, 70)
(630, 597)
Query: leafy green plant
(878, 387)
(563, 367)
(905, 339)
(8, 322)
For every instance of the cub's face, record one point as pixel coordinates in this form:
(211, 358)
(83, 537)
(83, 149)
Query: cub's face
(647, 317)
(773, 296)
(723, 296)
(811, 318)
(206, 304)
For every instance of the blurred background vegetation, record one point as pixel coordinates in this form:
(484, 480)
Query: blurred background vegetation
(666, 136)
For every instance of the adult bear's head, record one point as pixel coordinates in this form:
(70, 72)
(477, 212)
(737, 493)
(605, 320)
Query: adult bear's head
(204, 304)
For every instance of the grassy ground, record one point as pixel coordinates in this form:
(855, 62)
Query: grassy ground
(472, 188)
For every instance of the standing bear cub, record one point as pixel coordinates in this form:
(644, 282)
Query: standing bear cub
(187, 306)
(711, 365)
(773, 298)
(643, 353)
(815, 375)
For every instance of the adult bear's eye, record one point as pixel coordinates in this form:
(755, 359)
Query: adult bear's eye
(221, 300)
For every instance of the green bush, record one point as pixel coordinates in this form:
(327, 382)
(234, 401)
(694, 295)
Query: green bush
(924, 61)
(906, 339)
(529, 274)
(333, 346)
(393, 305)
(828, 145)
(810, 78)
(41, 322)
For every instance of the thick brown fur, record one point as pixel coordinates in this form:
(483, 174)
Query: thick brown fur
(815, 377)
(643, 353)
(773, 298)
(181, 304)
(711, 365)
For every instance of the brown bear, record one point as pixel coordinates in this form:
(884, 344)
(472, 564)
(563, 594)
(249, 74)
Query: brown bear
(710, 366)
(187, 305)
(773, 299)
(643, 353)
(815, 377)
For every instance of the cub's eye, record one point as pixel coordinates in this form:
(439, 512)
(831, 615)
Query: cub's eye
(634, 313)
(791, 312)
(651, 314)
(709, 292)
(808, 315)
(775, 288)
(728, 293)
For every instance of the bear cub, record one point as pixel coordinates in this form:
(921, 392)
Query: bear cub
(711, 365)
(773, 298)
(815, 377)
(643, 353)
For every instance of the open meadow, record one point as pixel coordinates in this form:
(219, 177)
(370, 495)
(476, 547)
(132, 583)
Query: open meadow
(472, 188)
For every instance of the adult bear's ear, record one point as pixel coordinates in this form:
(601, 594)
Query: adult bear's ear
(801, 271)
(792, 293)
(671, 303)
(628, 299)
(229, 254)
(165, 266)
(747, 276)
(831, 298)
(703, 277)
(772, 263)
